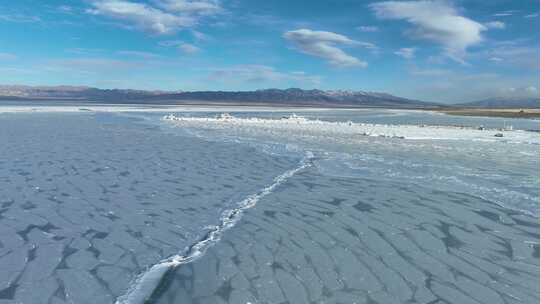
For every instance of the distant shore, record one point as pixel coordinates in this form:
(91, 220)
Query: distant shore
(38, 105)
(509, 113)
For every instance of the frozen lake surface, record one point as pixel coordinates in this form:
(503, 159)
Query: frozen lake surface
(105, 205)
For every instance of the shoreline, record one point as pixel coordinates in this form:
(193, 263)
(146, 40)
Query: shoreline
(213, 104)
(184, 108)
(505, 113)
(526, 113)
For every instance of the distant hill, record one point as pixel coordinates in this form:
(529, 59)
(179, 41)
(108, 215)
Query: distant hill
(288, 97)
(72, 93)
(505, 102)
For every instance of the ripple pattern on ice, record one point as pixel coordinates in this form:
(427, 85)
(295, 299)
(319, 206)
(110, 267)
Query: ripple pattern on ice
(89, 201)
(341, 240)
(147, 283)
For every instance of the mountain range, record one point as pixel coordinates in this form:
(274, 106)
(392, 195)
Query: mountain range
(277, 97)
(288, 97)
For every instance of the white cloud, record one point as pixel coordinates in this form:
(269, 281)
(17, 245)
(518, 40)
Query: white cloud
(532, 15)
(199, 36)
(188, 48)
(368, 29)
(430, 72)
(85, 51)
(91, 65)
(502, 14)
(519, 92)
(145, 55)
(168, 19)
(200, 7)
(517, 55)
(7, 56)
(19, 18)
(435, 21)
(496, 59)
(499, 25)
(261, 74)
(531, 90)
(170, 43)
(65, 9)
(461, 86)
(323, 45)
(407, 53)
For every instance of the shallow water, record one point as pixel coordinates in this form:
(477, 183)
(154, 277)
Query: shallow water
(89, 202)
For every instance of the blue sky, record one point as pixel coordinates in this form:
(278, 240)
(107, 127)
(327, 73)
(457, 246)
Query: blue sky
(448, 51)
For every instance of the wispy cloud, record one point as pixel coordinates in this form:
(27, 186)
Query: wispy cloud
(66, 9)
(495, 25)
(7, 56)
(407, 53)
(325, 45)
(506, 13)
(429, 72)
(142, 16)
(139, 54)
(456, 86)
(92, 64)
(535, 15)
(368, 28)
(18, 71)
(188, 48)
(269, 21)
(184, 47)
(495, 59)
(170, 43)
(19, 18)
(523, 91)
(459, 85)
(84, 51)
(519, 56)
(435, 21)
(199, 7)
(199, 36)
(260, 74)
(532, 90)
(166, 17)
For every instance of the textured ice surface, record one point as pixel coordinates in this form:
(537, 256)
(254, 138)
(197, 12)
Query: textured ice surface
(326, 239)
(148, 282)
(503, 170)
(378, 219)
(90, 201)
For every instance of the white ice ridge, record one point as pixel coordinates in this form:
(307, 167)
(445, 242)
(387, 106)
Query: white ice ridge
(146, 283)
(297, 124)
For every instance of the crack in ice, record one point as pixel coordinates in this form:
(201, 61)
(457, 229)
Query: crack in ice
(146, 283)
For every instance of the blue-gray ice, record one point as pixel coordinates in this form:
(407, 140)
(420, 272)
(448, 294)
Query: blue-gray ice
(90, 203)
